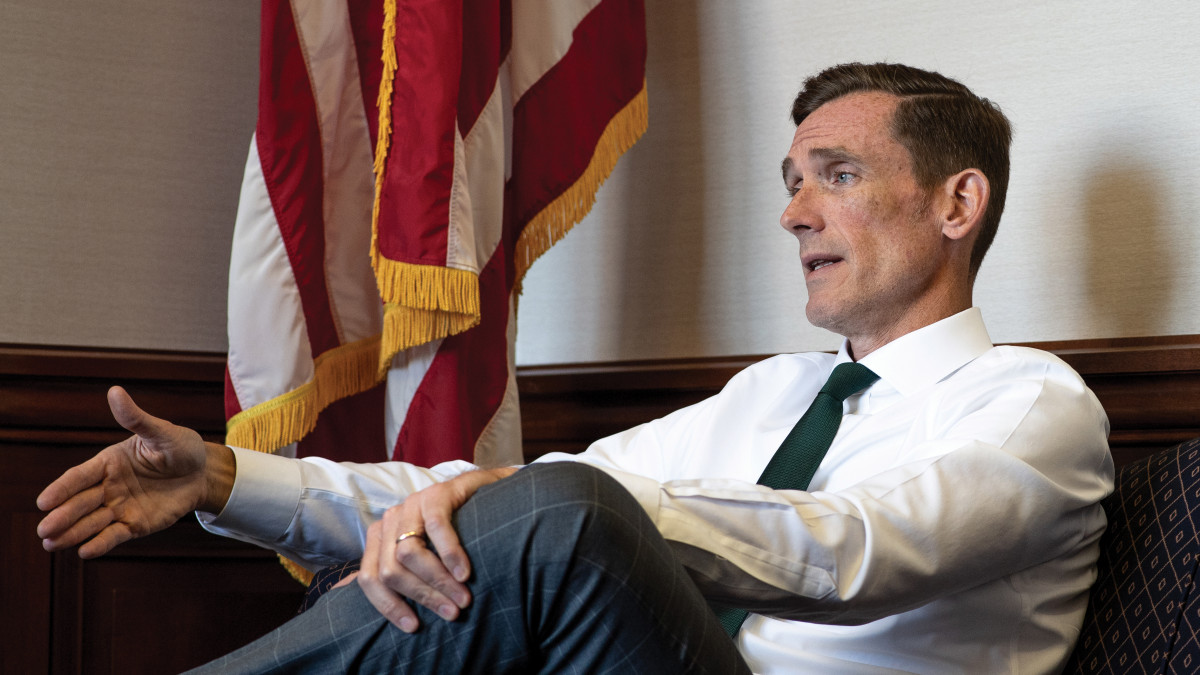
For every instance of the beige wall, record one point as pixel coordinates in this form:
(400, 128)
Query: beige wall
(124, 128)
(684, 256)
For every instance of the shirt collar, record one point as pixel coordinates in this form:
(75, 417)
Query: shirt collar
(918, 359)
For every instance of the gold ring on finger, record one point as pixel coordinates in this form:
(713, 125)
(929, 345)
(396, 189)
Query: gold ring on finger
(406, 535)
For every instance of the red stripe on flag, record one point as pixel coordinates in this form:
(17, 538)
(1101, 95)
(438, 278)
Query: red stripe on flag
(465, 382)
(482, 39)
(289, 146)
(366, 24)
(505, 28)
(349, 430)
(551, 149)
(414, 203)
(232, 405)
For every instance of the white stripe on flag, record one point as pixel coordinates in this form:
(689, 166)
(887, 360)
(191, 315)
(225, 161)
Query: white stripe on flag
(499, 443)
(349, 182)
(542, 33)
(408, 370)
(266, 319)
(477, 205)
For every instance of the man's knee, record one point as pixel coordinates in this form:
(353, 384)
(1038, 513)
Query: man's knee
(560, 507)
(575, 483)
(586, 511)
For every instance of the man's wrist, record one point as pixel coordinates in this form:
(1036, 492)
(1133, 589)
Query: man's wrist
(220, 469)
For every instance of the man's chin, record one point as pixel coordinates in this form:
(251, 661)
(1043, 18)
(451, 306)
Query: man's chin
(822, 317)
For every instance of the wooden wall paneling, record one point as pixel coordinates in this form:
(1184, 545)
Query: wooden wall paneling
(1150, 389)
(66, 602)
(25, 570)
(185, 595)
(565, 408)
(56, 390)
(173, 601)
(158, 604)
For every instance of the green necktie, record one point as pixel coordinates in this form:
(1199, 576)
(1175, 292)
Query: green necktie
(801, 452)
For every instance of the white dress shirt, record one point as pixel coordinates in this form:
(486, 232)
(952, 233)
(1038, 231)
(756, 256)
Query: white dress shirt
(952, 527)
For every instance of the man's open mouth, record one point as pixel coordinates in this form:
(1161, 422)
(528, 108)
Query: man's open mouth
(817, 263)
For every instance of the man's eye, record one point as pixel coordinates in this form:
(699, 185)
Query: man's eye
(843, 177)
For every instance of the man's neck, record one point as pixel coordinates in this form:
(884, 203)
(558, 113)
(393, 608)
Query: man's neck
(859, 346)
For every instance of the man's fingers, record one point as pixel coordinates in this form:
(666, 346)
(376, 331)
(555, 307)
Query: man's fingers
(445, 540)
(417, 573)
(64, 518)
(98, 529)
(386, 602)
(409, 567)
(74, 480)
(389, 604)
(105, 541)
(383, 599)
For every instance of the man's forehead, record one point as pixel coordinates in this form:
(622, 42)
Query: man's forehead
(840, 128)
(859, 113)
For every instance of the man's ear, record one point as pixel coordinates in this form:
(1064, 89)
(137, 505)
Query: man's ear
(967, 194)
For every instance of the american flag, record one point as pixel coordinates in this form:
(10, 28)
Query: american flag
(390, 208)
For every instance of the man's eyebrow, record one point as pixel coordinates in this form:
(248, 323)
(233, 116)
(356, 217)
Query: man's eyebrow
(835, 154)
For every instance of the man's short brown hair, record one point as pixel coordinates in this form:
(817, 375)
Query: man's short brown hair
(944, 126)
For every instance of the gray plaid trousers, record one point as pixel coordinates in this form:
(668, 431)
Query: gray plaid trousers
(570, 576)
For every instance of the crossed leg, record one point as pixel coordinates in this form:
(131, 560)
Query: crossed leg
(569, 576)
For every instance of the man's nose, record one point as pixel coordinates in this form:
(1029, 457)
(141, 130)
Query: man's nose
(801, 213)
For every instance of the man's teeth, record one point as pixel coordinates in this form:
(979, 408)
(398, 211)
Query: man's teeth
(818, 264)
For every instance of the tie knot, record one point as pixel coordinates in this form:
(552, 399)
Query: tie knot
(848, 379)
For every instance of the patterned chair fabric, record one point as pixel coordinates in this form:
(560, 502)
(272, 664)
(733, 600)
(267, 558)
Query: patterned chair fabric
(1143, 616)
(324, 580)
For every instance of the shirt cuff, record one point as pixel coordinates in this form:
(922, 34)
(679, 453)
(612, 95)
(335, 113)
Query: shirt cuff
(264, 500)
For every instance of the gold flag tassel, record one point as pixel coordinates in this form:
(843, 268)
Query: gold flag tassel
(338, 373)
(553, 222)
(422, 302)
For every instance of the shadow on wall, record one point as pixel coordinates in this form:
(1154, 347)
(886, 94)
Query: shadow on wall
(1130, 261)
(664, 214)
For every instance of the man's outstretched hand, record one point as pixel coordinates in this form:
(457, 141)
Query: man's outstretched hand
(136, 487)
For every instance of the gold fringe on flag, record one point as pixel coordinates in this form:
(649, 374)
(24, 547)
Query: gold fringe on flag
(338, 373)
(556, 220)
(295, 569)
(423, 302)
(268, 426)
(406, 327)
(384, 102)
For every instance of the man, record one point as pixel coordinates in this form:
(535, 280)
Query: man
(951, 527)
